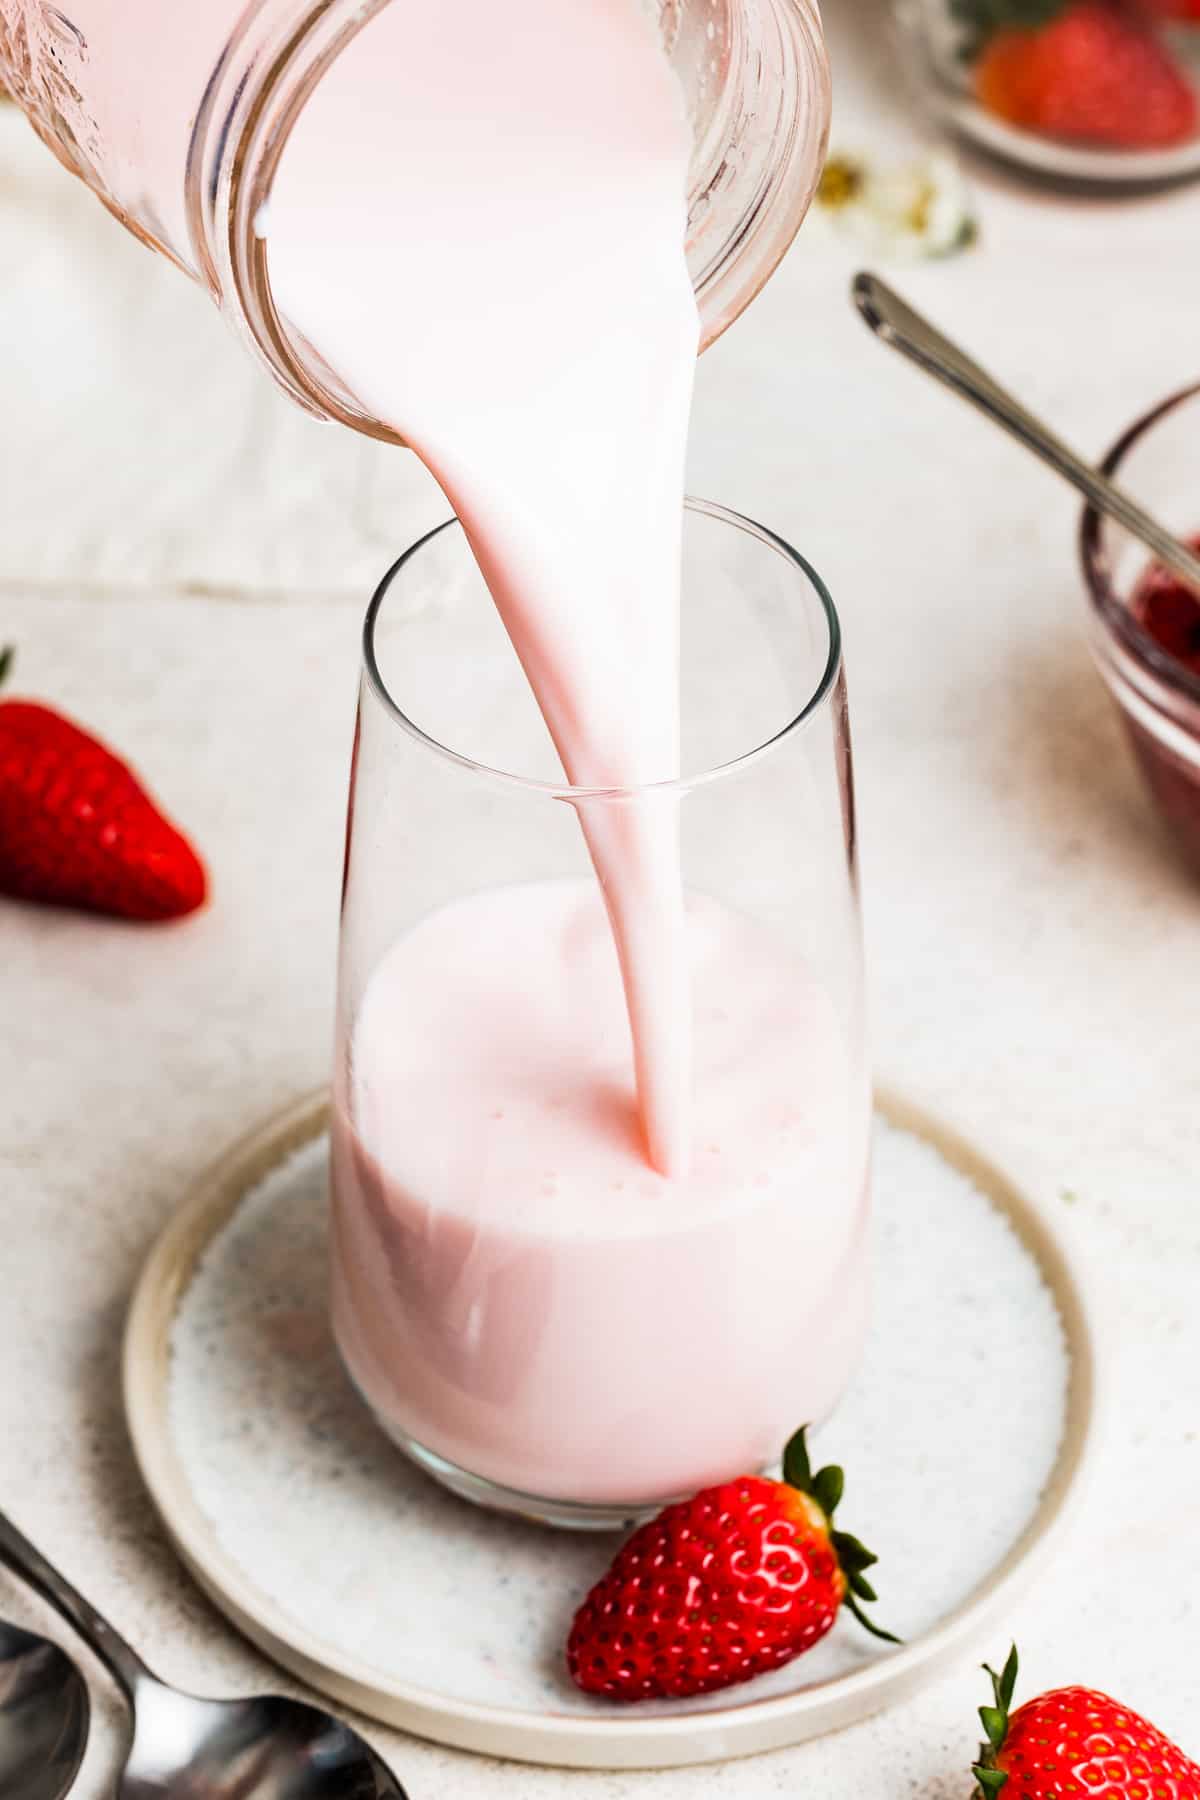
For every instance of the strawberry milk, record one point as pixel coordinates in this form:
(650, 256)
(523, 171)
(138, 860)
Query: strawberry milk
(515, 1287)
(541, 1283)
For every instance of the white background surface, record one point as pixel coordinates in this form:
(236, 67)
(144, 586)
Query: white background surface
(183, 562)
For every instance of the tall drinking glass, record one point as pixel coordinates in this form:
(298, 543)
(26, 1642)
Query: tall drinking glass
(537, 1316)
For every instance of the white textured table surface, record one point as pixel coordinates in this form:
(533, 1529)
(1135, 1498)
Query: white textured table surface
(183, 561)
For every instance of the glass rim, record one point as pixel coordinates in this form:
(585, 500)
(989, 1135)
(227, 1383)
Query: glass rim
(1115, 615)
(678, 785)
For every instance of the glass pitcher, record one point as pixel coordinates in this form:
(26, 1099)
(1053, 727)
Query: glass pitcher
(176, 117)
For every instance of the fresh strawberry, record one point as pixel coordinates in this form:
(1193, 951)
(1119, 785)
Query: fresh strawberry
(1095, 73)
(1075, 1741)
(724, 1586)
(78, 829)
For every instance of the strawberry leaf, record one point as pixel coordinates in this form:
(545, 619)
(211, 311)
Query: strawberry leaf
(797, 1469)
(7, 658)
(995, 1724)
(1008, 1681)
(827, 1489)
(852, 1606)
(852, 1555)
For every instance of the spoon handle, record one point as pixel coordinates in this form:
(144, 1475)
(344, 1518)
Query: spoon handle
(893, 320)
(18, 1554)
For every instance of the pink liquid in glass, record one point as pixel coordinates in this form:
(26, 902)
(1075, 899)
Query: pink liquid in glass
(515, 1288)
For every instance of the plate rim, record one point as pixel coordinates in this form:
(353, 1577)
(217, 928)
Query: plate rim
(619, 1741)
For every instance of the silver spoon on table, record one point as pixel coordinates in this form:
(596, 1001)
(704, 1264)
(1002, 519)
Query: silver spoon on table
(184, 1748)
(893, 320)
(44, 1714)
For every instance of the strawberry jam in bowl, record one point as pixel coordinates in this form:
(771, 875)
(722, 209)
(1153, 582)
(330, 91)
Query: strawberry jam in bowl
(1145, 624)
(1103, 91)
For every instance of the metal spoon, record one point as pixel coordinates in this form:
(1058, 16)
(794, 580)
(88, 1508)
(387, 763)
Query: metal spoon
(893, 320)
(184, 1748)
(44, 1714)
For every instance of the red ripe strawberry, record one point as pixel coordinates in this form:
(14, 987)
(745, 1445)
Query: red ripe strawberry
(1075, 1742)
(724, 1586)
(78, 829)
(1095, 73)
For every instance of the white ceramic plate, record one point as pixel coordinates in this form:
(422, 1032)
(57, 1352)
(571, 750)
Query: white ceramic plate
(350, 1569)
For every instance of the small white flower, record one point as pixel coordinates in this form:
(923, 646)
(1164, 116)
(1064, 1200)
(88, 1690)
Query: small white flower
(905, 211)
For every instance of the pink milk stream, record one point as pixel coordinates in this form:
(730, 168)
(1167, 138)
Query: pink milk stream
(479, 223)
(510, 292)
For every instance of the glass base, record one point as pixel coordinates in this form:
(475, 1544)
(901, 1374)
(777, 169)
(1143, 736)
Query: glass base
(566, 1515)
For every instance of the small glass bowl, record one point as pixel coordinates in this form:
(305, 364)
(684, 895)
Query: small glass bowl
(1158, 462)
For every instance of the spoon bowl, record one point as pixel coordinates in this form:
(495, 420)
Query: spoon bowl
(267, 1747)
(44, 1715)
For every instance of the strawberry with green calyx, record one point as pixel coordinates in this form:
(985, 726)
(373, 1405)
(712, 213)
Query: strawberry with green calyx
(722, 1587)
(1088, 72)
(78, 829)
(1075, 1741)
